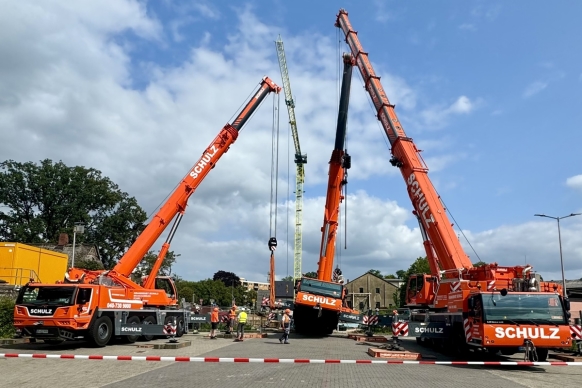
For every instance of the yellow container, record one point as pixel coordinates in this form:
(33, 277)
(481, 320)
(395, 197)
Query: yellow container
(20, 262)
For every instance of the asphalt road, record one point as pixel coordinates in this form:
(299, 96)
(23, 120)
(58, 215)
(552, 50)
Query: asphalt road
(19, 372)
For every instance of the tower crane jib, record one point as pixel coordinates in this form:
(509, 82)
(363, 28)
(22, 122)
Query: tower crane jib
(300, 160)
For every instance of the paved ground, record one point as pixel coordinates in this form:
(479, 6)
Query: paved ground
(113, 374)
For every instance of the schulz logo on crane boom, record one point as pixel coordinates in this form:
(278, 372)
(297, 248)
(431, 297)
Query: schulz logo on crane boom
(423, 208)
(203, 162)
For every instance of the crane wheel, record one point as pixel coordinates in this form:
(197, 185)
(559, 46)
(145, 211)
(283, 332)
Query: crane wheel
(149, 320)
(180, 328)
(133, 320)
(100, 331)
(542, 354)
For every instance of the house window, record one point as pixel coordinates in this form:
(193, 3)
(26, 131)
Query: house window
(377, 305)
(361, 305)
(377, 290)
(361, 290)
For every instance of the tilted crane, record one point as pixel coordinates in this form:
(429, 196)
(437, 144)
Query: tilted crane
(300, 160)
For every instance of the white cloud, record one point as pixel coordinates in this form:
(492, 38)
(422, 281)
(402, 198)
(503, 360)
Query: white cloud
(534, 243)
(575, 182)
(534, 88)
(462, 105)
(438, 116)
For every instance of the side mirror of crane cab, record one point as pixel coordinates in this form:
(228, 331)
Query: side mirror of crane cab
(83, 297)
(503, 292)
(567, 304)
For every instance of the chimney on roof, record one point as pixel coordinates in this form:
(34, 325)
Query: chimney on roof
(63, 239)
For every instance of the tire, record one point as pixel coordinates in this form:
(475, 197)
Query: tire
(180, 329)
(148, 321)
(100, 331)
(130, 339)
(460, 347)
(542, 354)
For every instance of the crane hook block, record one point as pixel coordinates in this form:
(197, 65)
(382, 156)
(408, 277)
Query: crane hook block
(273, 243)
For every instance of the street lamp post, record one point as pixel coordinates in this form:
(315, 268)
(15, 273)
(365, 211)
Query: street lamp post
(78, 228)
(560, 243)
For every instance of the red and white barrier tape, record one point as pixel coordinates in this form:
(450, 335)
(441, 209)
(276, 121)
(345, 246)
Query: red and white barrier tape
(279, 360)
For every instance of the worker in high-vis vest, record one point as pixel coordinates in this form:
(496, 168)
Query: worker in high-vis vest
(231, 319)
(242, 321)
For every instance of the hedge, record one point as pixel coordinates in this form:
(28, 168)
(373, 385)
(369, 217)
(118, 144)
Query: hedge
(6, 317)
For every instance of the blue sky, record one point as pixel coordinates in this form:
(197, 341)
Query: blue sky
(490, 91)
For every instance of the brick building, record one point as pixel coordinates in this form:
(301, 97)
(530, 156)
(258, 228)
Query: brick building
(370, 291)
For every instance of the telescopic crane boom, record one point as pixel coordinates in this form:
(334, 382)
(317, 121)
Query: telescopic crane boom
(320, 302)
(406, 156)
(300, 160)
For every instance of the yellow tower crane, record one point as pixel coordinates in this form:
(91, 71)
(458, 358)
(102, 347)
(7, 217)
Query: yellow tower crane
(300, 160)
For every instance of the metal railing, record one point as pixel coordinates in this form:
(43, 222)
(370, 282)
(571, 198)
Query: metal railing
(17, 276)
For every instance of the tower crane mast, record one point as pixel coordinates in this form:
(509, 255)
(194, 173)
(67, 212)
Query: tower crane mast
(300, 160)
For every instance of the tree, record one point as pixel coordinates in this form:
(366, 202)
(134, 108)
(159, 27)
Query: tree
(288, 278)
(390, 276)
(479, 264)
(401, 274)
(146, 264)
(47, 199)
(186, 293)
(312, 275)
(228, 278)
(375, 272)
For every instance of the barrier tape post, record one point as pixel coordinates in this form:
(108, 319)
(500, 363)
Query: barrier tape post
(170, 330)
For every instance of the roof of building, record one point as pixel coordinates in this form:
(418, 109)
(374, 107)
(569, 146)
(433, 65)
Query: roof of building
(391, 281)
(82, 251)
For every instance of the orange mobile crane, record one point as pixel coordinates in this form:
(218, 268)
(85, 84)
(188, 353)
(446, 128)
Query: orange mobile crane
(459, 306)
(320, 303)
(96, 305)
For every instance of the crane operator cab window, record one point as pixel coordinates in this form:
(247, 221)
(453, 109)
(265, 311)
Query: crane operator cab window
(164, 284)
(415, 284)
(476, 307)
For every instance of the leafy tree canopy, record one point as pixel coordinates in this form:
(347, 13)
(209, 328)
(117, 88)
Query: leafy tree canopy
(214, 290)
(46, 199)
(287, 278)
(228, 278)
(479, 264)
(145, 266)
(375, 272)
(312, 275)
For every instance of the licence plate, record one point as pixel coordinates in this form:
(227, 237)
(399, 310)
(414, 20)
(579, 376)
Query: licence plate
(42, 331)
